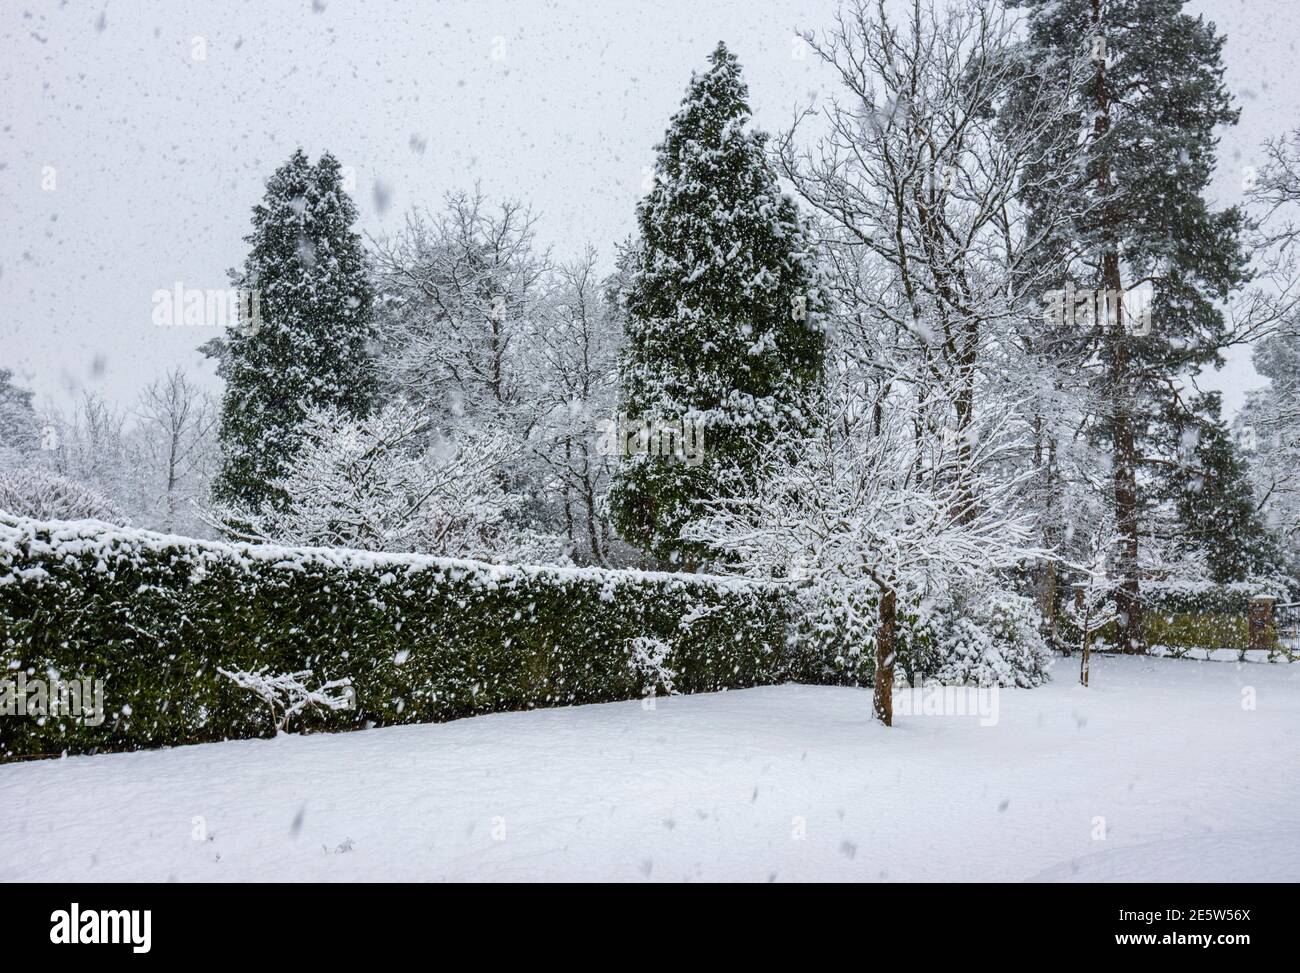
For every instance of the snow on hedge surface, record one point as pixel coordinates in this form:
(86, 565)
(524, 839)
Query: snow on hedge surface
(25, 537)
(419, 638)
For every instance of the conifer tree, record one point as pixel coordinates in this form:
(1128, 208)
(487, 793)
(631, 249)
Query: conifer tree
(18, 430)
(722, 314)
(307, 347)
(1149, 112)
(1270, 428)
(1211, 493)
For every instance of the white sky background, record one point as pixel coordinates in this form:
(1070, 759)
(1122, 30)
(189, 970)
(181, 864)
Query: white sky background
(159, 157)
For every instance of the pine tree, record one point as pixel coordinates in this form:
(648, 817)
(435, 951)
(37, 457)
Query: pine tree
(1210, 489)
(1270, 428)
(722, 314)
(1150, 109)
(309, 348)
(18, 429)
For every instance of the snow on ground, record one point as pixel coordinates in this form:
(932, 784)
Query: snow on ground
(1192, 786)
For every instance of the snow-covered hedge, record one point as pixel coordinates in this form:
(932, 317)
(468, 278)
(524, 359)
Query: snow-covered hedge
(1206, 597)
(1182, 615)
(420, 638)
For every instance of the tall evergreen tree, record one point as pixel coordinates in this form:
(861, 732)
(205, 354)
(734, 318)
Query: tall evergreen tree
(309, 348)
(1270, 423)
(1149, 110)
(18, 432)
(721, 313)
(1211, 494)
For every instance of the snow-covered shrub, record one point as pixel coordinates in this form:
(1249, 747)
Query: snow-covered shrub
(421, 638)
(391, 482)
(647, 658)
(984, 635)
(42, 495)
(989, 640)
(289, 693)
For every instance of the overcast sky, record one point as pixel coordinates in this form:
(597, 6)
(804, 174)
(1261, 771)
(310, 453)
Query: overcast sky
(158, 154)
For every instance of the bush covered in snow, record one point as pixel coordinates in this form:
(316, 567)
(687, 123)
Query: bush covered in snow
(391, 482)
(832, 635)
(421, 639)
(981, 634)
(43, 495)
(830, 639)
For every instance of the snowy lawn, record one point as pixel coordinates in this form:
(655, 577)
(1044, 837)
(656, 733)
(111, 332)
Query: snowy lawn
(1192, 786)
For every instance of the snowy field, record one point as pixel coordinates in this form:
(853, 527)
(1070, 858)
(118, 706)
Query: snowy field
(787, 783)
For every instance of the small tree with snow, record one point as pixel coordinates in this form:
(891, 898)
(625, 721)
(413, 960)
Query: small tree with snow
(1094, 605)
(648, 658)
(391, 482)
(873, 509)
(288, 694)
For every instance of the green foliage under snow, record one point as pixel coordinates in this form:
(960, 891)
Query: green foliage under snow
(421, 639)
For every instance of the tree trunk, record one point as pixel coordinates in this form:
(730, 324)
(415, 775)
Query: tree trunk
(589, 498)
(1124, 468)
(1045, 572)
(886, 649)
(1119, 383)
(1048, 605)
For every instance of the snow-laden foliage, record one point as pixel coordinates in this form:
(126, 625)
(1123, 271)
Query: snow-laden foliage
(1141, 216)
(389, 482)
(421, 638)
(1213, 514)
(831, 630)
(153, 460)
(1269, 432)
(984, 635)
(489, 338)
(311, 346)
(287, 694)
(575, 350)
(976, 633)
(460, 290)
(648, 659)
(42, 495)
(874, 512)
(174, 441)
(723, 324)
(19, 433)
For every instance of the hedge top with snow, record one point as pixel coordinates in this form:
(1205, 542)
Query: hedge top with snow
(22, 538)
